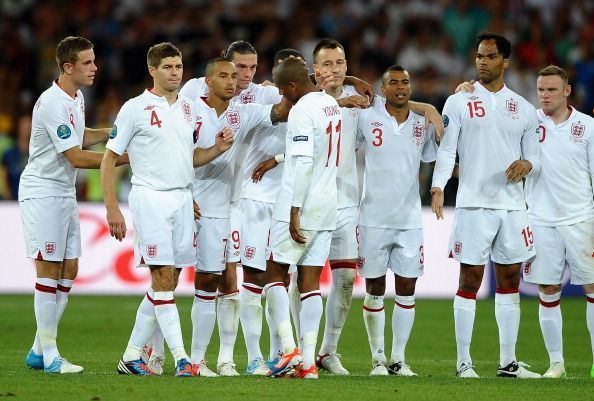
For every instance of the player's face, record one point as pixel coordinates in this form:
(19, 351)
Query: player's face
(332, 61)
(490, 64)
(83, 70)
(223, 81)
(396, 88)
(168, 74)
(552, 93)
(245, 65)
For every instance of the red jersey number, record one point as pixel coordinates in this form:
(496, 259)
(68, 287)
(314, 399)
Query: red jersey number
(330, 131)
(476, 109)
(155, 119)
(378, 140)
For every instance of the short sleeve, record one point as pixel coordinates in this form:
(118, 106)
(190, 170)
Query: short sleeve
(60, 126)
(300, 127)
(123, 129)
(194, 89)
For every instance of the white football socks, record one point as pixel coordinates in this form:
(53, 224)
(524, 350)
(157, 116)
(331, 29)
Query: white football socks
(278, 301)
(46, 316)
(507, 314)
(551, 324)
(464, 311)
(338, 305)
(309, 318)
(228, 324)
(204, 315)
(375, 321)
(403, 318)
(250, 313)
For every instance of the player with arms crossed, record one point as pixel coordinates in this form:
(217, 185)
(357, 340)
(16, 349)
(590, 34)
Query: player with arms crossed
(396, 142)
(159, 130)
(47, 196)
(305, 213)
(561, 210)
(493, 130)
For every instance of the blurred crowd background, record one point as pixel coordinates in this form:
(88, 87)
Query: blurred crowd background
(434, 40)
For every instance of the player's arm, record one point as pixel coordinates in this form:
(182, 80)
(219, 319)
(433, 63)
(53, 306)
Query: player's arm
(431, 114)
(223, 141)
(280, 111)
(115, 219)
(529, 165)
(446, 156)
(80, 158)
(362, 87)
(303, 173)
(267, 165)
(94, 136)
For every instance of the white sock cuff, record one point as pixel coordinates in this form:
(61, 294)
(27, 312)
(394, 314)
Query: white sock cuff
(229, 295)
(548, 298)
(65, 285)
(205, 296)
(507, 299)
(590, 298)
(405, 302)
(373, 303)
(310, 294)
(252, 289)
(464, 303)
(163, 296)
(275, 284)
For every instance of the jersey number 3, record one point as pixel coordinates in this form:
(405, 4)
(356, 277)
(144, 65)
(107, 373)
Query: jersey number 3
(155, 119)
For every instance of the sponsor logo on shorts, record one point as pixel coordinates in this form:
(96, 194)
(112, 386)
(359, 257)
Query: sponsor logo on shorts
(446, 120)
(151, 250)
(360, 262)
(245, 99)
(300, 138)
(233, 119)
(114, 132)
(249, 252)
(63, 131)
(50, 248)
(527, 267)
(457, 247)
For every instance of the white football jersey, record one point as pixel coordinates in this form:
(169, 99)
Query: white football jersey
(255, 93)
(347, 181)
(159, 138)
(393, 154)
(313, 130)
(212, 184)
(489, 131)
(58, 124)
(562, 193)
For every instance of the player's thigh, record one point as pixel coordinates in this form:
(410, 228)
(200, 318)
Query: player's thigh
(406, 257)
(374, 251)
(256, 218)
(212, 234)
(234, 239)
(344, 244)
(579, 244)
(549, 262)
(46, 224)
(317, 248)
(473, 232)
(184, 232)
(514, 242)
(152, 216)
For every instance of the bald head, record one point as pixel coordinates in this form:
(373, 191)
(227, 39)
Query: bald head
(290, 70)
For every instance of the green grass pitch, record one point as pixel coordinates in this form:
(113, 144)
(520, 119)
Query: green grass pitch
(94, 332)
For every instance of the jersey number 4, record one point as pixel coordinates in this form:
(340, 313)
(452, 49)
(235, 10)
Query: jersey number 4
(155, 119)
(330, 131)
(476, 109)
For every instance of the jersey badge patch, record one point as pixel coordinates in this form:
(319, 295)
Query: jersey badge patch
(512, 108)
(249, 252)
(187, 111)
(577, 131)
(457, 247)
(50, 248)
(233, 119)
(63, 131)
(300, 138)
(250, 98)
(418, 133)
(446, 120)
(151, 250)
(114, 132)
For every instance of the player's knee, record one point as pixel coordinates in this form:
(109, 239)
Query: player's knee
(405, 286)
(206, 282)
(549, 289)
(376, 286)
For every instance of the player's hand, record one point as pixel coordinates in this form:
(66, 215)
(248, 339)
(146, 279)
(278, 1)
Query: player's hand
(262, 168)
(267, 83)
(295, 227)
(364, 89)
(197, 212)
(437, 202)
(518, 170)
(117, 224)
(356, 101)
(465, 87)
(323, 78)
(224, 139)
(432, 116)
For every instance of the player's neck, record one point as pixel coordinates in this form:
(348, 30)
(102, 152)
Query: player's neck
(399, 113)
(170, 96)
(334, 92)
(68, 85)
(561, 114)
(220, 105)
(494, 86)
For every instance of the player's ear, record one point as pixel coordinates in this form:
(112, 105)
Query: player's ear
(567, 90)
(67, 67)
(505, 63)
(152, 70)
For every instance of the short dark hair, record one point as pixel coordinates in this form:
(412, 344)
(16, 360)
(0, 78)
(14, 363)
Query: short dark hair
(503, 44)
(554, 70)
(290, 70)
(210, 65)
(68, 49)
(160, 51)
(327, 43)
(239, 47)
(284, 54)
(393, 67)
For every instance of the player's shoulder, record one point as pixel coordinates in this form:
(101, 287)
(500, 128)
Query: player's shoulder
(194, 88)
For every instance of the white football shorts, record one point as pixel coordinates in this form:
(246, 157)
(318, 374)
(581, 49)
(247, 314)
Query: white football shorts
(505, 235)
(213, 234)
(164, 224)
(284, 250)
(233, 242)
(51, 228)
(555, 246)
(255, 220)
(345, 244)
(381, 249)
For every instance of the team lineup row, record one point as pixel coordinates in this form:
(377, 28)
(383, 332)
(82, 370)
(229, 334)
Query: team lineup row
(228, 171)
